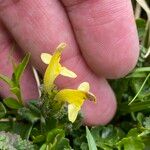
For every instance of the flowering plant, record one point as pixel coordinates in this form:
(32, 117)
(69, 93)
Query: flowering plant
(75, 98)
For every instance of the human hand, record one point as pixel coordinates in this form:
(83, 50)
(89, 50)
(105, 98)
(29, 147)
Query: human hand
(101, 38)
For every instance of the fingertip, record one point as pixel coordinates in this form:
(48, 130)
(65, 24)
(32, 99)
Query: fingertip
(106, 34)
(101, 112)
(121, 60)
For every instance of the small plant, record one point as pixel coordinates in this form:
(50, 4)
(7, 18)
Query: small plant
(44, 121)
(54, 121)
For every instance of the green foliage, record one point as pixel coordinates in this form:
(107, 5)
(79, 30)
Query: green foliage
(91, 142)
(44, 122)
(15, 79)
(19, 69)
(141, 25)
(2, 110)
(107, 137)
(9, 141)
(55, 140)
(132, 141)
(12, 103)
(6, 80)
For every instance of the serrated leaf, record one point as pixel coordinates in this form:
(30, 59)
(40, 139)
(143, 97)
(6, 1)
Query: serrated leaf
(2, 110)
(20, 69)
(90, 139)
(12, 103)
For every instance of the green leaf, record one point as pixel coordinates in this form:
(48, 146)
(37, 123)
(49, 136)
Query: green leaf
(147, 122)
(5, 125)
(15, 90)
(142, 69)
(6, 79)
(56, 141)
(33, 105)
(90, 139)
(146, 79)
(43, 147)
(28, 115)
(141, 25)
(12, 103)
(21, 128)
(106, 137)
(132, 141)
(2, 110)
(39, 139)
(61, 144)
(52, 134)
(19, 69)
(84, 146)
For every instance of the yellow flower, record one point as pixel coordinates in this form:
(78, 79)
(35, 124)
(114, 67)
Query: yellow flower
(54, 67)
(75, 98)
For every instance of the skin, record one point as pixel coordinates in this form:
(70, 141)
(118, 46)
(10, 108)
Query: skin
(100, 34)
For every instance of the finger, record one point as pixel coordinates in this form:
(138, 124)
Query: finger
(28, 82)
(41, 32)
(104, 109)
(106, 33)
(43, 24)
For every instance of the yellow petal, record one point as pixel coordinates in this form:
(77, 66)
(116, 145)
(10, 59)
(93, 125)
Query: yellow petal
(53, 70)
(68, 73)
(46, 58)
(75, 97)
(84, 87)
(72, 112)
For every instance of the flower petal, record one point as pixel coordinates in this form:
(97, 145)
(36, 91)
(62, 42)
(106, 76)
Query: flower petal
(84, 87)
(75, 97)
(53, 69)
(46, 58)
(72, 112)
(68, 73)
